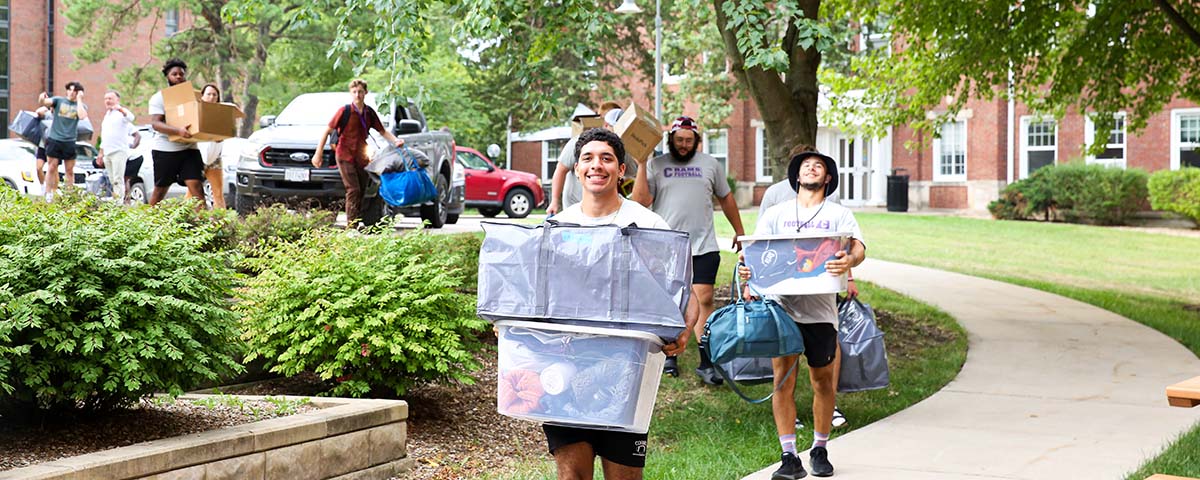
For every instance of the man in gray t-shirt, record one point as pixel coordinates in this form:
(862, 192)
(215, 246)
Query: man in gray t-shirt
(679, 186)
(60, 140)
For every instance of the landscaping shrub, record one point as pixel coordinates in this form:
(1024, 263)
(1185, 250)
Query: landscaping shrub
(1075, 192)
(366, 311)
(1176, 191)
(276, 222)
(101, 305)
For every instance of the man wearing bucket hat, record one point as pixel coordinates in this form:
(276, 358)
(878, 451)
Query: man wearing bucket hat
(600, 163)
(813, 176)
(679, 185)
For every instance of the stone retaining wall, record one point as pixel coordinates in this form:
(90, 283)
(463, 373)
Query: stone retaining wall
(345, 439)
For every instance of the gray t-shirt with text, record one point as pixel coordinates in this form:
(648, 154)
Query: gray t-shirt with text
(66, 120)
(683, 195)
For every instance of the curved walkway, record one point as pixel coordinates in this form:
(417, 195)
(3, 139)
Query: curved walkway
(1051, 388)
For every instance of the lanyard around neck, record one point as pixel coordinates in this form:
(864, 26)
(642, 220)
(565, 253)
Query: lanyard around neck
(810, 219)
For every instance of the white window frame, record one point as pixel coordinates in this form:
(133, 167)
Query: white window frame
(1089, 136)
(547, 174)
(1026, 121)
(938, 176)
(1176, 129)
(171, 22)
(723, 132)
(760, 155)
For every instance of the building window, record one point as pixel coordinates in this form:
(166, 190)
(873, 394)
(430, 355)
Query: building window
(1185, 138)
(171, 20)
(950, 153)
(1039, 144)
(762, 160)
(1114, 150)
(716, 143)
(550, 151)
(4, 63)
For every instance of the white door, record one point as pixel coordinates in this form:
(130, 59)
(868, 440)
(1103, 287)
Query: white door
(855, 167)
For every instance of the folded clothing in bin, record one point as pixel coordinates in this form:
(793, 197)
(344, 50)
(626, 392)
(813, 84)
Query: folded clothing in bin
(628, 277)
(578, 376)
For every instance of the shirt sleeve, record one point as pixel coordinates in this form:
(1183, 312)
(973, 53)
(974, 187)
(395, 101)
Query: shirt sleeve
(567, 156)
(850, 224)
(374, 121)
(156, 105)
(651, 180)
(721, 184)
(766, 224)
(333, 122)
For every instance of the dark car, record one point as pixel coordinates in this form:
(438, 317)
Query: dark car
(491, 189)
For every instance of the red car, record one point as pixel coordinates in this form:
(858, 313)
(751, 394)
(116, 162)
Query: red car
(492, 189)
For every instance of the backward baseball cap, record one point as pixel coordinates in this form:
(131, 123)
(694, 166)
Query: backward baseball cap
(830, 169)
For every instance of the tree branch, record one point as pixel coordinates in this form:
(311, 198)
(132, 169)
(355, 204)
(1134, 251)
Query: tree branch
(1177, 19)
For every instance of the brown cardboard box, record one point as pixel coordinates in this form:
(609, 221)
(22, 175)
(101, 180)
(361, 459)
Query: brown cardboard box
(206, 121)
(585, 122)
(639, 131)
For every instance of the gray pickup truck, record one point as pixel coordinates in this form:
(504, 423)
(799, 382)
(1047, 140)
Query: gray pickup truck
(276, 166)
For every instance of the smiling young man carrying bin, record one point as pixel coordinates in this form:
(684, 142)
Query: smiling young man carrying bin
(813, 177)
(600, 166)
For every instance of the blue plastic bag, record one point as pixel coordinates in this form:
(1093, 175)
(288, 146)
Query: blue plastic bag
(408, 187)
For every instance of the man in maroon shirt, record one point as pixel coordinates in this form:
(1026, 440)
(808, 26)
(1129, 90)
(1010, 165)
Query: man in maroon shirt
(351, 149)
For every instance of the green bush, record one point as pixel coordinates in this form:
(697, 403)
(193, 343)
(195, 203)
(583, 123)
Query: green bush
(366, 311)
(102, 305)
(275, 222)
(1075, 192)
(1176, 191)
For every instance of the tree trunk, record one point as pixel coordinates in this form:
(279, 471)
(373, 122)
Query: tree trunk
(253, 76)
(788, 109)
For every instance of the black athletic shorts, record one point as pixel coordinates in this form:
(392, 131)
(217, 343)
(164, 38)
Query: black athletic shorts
(133, 166)
(60, 150)
(623, 448)
(170, 167)
(820, 343)
(704, 268)
(41, 153)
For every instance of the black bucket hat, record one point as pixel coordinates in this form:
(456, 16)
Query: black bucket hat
(830, 169)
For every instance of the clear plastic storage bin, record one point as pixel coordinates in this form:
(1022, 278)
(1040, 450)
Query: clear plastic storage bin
(794, 264)
(578, 376)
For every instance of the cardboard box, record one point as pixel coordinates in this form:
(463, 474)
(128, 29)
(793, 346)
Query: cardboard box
(585, 122)
(794, 264)
(639, 131)
(207, 122)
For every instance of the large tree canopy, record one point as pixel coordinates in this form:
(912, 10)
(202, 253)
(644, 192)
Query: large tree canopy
(1099, 56)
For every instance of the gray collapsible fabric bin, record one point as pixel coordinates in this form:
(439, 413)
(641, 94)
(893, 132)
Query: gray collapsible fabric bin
(631, 278)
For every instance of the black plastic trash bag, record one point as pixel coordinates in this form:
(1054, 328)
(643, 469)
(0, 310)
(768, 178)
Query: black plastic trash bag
(864, 357)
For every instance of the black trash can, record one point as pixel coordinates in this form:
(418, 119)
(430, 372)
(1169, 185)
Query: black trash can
(897, 191)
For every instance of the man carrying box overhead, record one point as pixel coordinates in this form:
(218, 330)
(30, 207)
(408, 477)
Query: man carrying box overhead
(173, 161)
(60, 140)
(679, 185)
(600, 166)
(353, 124)
(813, 177)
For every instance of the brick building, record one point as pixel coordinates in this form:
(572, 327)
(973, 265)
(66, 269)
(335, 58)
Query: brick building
(36, 55)
(988, 146)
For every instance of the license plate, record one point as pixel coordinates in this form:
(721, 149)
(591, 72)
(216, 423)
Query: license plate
(296, 174)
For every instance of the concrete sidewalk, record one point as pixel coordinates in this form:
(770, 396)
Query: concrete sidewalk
(1051, 388)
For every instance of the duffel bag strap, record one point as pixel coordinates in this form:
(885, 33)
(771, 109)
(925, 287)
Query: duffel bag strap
(733, 385)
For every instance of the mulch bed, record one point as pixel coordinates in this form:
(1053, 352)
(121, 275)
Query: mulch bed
(34, 441)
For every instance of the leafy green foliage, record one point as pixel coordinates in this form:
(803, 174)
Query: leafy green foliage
(1078, 193)
(1081, 55)
(374, 311)
(274, 222)
(1176, 191)
(102, 305)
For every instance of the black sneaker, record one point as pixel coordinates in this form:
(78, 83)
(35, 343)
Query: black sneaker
(709, 376)
(819, 457)
(671, 367)
(791, 468)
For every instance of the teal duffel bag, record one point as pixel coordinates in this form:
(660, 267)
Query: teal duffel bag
(754, 329)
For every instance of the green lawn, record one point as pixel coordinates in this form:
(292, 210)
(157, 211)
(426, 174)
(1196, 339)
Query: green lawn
(1149, 278)
(706, 432)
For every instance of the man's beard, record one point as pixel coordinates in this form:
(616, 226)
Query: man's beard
(813, 186)
(678, 157)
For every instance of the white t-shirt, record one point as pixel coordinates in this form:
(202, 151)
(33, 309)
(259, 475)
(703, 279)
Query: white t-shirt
(629, 213)
(161, 142)
(789, 217)
(115, 131)
(776, 194)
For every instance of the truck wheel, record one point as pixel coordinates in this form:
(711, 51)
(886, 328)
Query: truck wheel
(489, 212)
(245, 205)
(436, 214)
(452, 218)
(518, 203)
